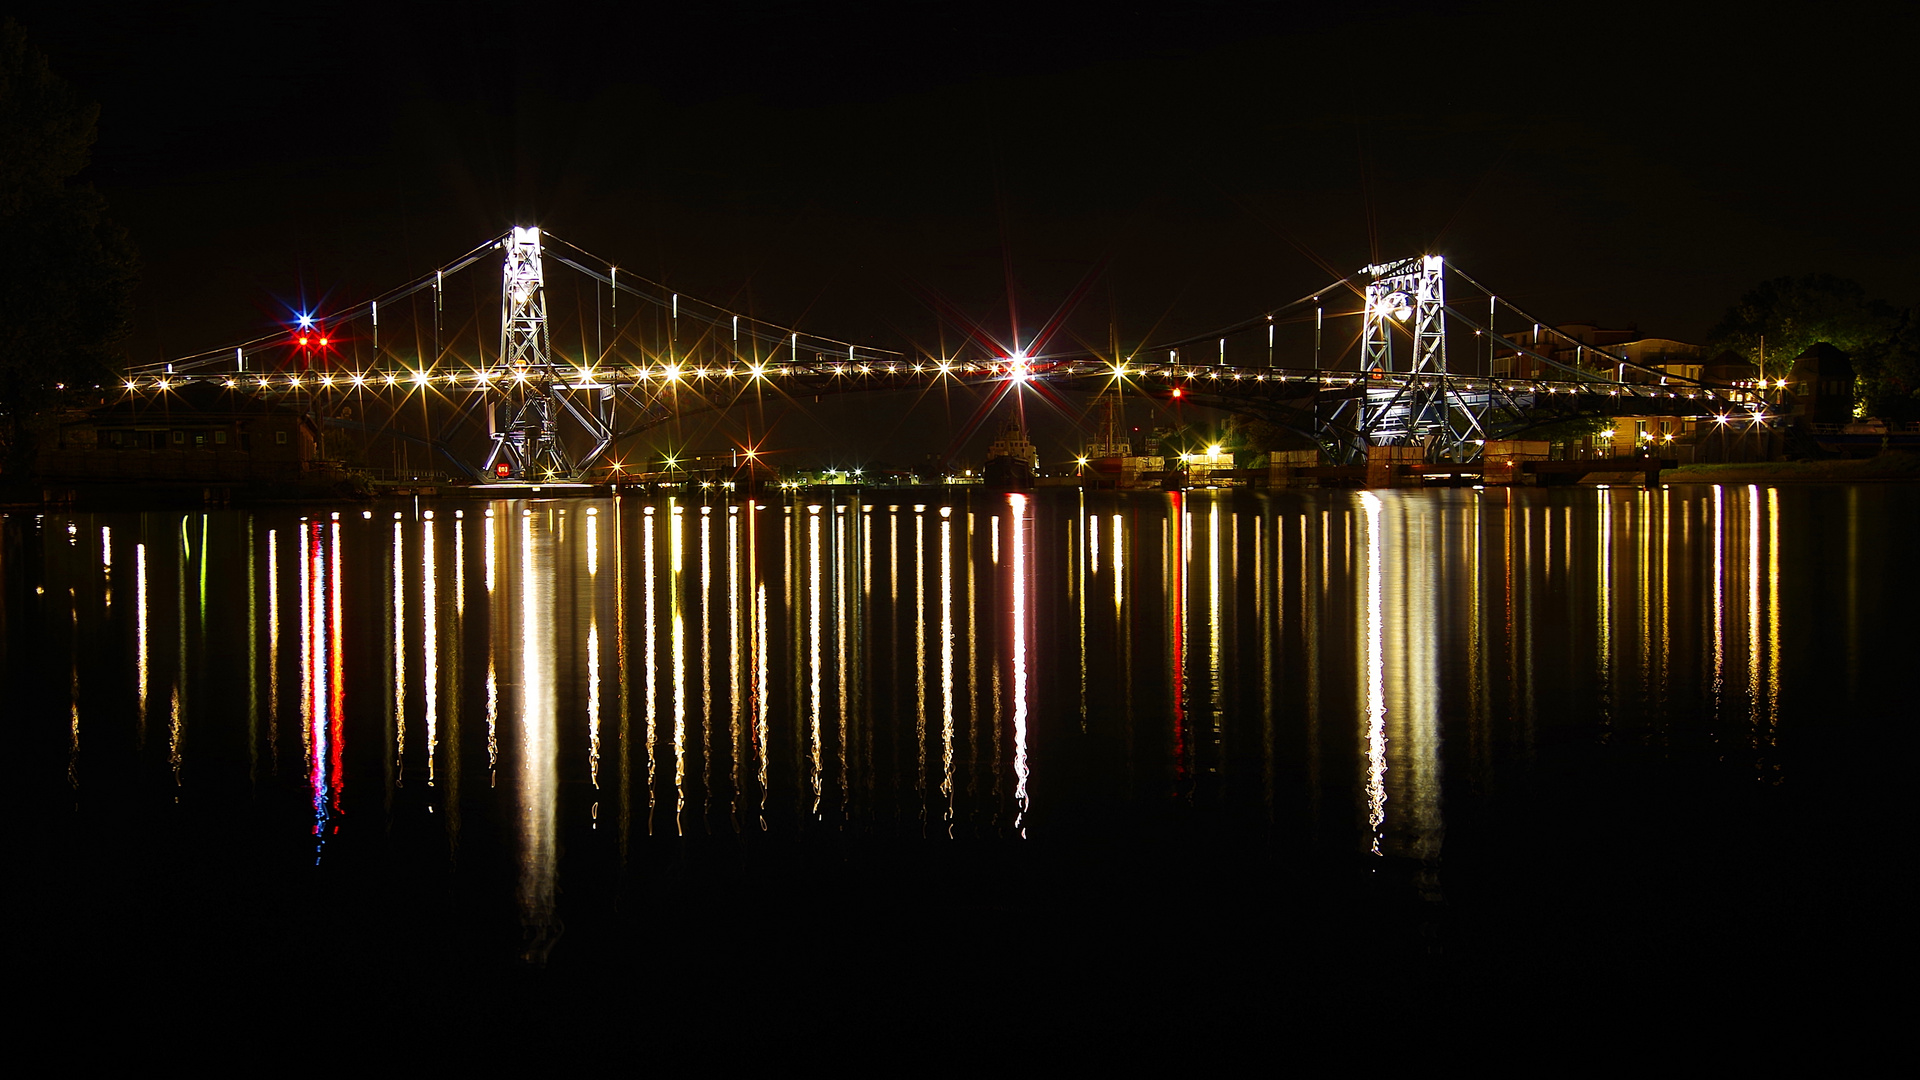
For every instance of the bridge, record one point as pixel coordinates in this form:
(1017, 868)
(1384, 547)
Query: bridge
(526, 410)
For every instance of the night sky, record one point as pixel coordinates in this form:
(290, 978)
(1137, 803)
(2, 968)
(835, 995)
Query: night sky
(1631, 165)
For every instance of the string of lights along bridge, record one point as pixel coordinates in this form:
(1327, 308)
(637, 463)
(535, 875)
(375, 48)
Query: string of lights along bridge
(1377, 371)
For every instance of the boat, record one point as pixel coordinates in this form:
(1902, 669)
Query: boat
(1012, 460)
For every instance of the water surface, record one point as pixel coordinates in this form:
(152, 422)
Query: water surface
(576, 727)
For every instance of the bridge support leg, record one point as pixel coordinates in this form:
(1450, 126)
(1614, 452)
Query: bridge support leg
(1387, 466)
(1283, 468)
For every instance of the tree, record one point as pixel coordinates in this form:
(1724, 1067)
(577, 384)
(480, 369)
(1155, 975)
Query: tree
(1793, 313)
(1887, 371)
(66, 286)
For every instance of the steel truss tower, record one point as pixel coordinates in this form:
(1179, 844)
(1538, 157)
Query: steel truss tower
(526, 384)
(1422, 408)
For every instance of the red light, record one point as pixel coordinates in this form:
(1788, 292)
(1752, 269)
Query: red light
(303, 339)
(323, 341)
(1176, 391)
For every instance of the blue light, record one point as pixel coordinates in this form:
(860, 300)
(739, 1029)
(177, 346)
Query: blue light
(306, 322)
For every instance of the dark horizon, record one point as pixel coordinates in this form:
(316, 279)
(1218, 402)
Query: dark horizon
(1618, 168)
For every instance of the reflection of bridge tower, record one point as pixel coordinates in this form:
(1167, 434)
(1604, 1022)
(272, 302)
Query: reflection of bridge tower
(527, 380)
(1415, 411)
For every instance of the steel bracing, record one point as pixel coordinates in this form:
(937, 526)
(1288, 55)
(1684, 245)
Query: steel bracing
(534, 390)
(1422, 411)
(549, 416)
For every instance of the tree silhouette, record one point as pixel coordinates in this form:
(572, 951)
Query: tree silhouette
(67, 279)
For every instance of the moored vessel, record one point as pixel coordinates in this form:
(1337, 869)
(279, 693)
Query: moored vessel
(1012, 459)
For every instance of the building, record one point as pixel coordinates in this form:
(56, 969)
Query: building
(1647, 359)
(202, 432)
(1565, 344)
(1821, 382)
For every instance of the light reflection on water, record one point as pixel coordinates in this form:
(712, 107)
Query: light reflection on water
(1335, 666)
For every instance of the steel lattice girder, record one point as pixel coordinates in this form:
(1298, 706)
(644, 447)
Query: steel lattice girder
(527, 380)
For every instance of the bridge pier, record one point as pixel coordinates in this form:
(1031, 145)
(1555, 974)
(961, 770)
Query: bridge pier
(1502, 462)
(1394, 466)
(1293, 468)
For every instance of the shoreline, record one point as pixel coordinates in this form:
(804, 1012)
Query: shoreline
(1894, 466)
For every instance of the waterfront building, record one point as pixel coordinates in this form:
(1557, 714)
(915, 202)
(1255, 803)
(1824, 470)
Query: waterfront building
(1821, 383)
(199, 433)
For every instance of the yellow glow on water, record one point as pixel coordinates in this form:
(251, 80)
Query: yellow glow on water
(1414, 582)
(593, 544)
(1644, 616)
(593, 699)
(459, 567)
(1215, 646)
(946, 665)
(893, 558)
(1719, 602)
(493, 715)
(761, 689)
(1773, 615)
(487, 542)
(1603, 602)
(493, 675)
(539, 781)
(1021, 601)
(1376, 692)
(813, 652)
(429, 645)
(843, 605)
(1425, 583)
(706, 655)
(736, 670)
(1080, 601)
(399, 653)
(973, 667)
(648, 572)
(1755, 673)
(920, 661)
(676, 599)
(624, 697)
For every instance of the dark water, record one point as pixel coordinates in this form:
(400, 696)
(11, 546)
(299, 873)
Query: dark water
(959, 757)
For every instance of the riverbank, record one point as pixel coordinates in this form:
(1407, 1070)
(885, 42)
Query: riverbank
(150, 494)
(1893, 465)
